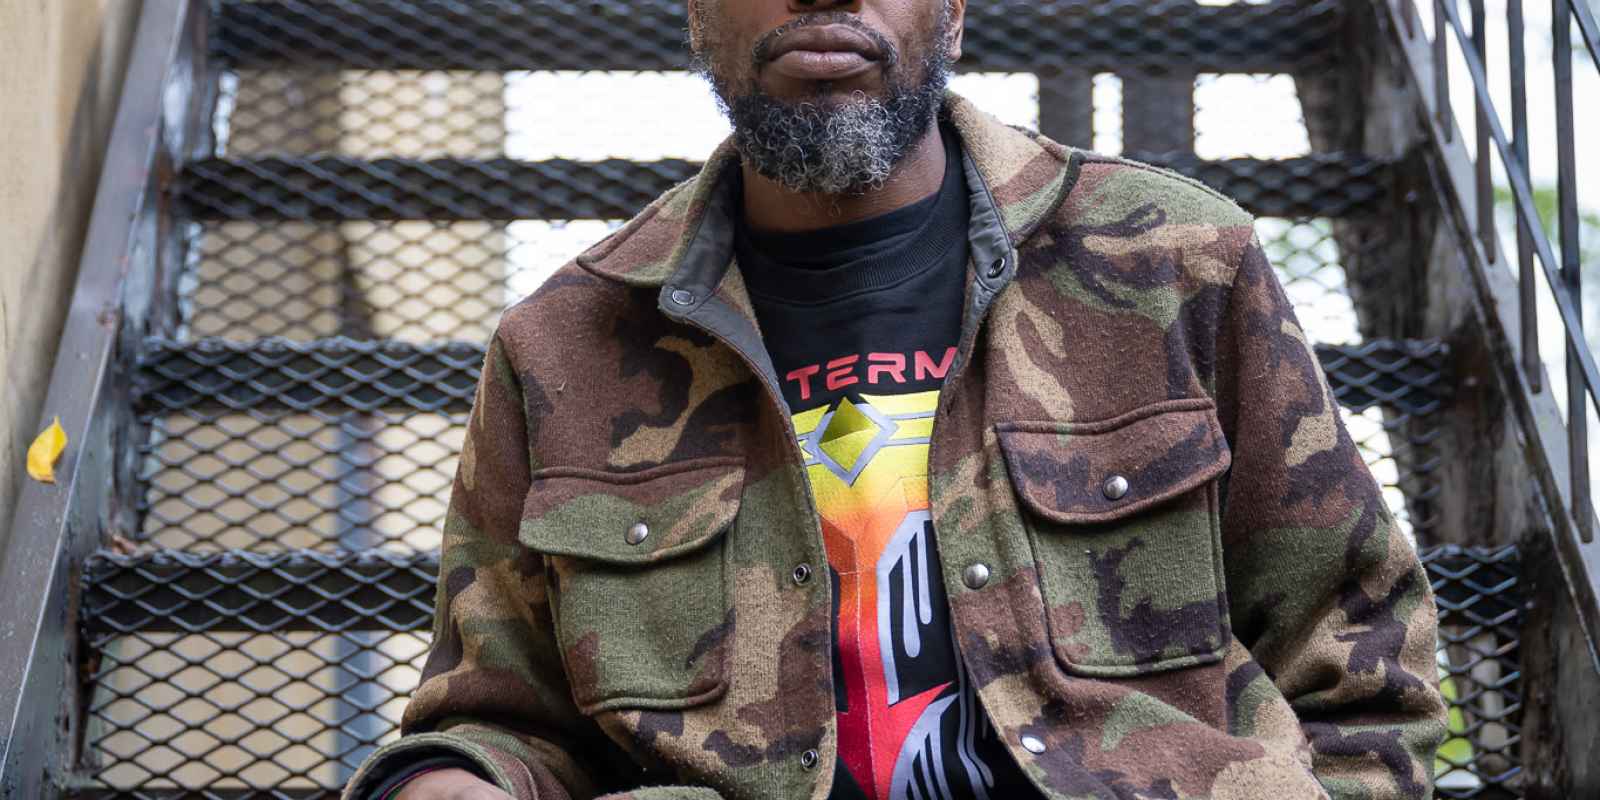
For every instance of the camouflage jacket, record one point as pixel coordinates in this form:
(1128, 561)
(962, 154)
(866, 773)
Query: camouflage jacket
(616, 611)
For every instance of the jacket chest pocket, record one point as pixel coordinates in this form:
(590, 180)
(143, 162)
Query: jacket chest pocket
(1123, 519)
(637, 579)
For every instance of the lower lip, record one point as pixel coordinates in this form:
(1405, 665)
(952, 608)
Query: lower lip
(821, 65)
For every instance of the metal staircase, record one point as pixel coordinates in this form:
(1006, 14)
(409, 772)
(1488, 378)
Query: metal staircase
(313, 213)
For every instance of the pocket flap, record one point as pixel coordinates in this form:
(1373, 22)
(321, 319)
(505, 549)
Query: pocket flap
(1065, 471)
(588, 514)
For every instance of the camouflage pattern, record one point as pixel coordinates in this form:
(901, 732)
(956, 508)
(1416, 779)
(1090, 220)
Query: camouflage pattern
(1245, 621)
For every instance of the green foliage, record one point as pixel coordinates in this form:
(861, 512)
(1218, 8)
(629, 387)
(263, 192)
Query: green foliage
(1456, 752)
(1546, 201)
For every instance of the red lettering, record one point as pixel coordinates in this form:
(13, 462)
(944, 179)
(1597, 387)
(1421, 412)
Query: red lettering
(925, 368)
(803, 376)
(839, 371)
(892, 364)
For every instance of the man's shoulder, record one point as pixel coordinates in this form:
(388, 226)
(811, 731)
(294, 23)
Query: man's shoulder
(1145, 218)
(1113, 189)
(632, 259)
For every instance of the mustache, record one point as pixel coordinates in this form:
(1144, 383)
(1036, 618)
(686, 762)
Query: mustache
(762, 52)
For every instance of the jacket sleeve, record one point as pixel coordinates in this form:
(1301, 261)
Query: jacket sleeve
(1324, 588)
(493, 689)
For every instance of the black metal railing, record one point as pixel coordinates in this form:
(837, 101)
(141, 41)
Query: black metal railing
(125, 287)
(1538, 252)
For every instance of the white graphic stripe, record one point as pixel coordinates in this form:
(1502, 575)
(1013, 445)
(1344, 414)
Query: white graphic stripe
(916, 594)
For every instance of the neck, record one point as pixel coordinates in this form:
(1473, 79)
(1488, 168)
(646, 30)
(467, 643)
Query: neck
(770, 207)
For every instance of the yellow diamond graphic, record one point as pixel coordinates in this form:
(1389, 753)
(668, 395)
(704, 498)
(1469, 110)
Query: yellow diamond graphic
(848, 434)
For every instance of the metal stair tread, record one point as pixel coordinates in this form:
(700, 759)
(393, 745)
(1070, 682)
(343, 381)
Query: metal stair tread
(347, 374)
(501, 35)
(170, 591)
(358, 375)
(188, 592)
(349, 188)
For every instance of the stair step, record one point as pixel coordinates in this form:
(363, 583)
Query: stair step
(342, 445)
(171, 591)
(273, 445)
(347, 188)
(340, 374)
(242, 675)
(346, 375)
(497, 35)
(1475, 588)
(1407, 376)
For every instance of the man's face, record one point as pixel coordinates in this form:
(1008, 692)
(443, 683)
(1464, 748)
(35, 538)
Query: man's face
(827, 96)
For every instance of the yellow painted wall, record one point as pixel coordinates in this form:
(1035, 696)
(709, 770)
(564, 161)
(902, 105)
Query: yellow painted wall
(61, 67)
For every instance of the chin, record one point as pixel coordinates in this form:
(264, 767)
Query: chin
(833, 93)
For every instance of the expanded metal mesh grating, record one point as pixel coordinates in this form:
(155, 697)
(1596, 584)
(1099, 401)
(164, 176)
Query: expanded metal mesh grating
(1390, 393)
(308, 248)
(230, 675)
(532, 127)
(225, 673)
(496, 35)
(433, 281)
(337, 445)
(347, 188)
(375, 184)
(414, 281)
(430, 114)
(391, 174)
(1480, 623)
(344, 445)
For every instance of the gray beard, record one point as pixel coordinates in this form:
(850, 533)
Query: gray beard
(835, 148)
(846, 148)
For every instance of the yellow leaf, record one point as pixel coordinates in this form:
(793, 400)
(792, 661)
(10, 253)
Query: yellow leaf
(45, 451)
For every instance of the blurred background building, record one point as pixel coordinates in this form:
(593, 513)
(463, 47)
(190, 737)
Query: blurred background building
(61, 68)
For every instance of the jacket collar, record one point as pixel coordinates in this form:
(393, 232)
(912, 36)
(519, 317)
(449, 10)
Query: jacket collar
(684, 239)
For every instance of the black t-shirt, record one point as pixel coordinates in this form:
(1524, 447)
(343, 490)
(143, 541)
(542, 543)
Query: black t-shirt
(862, 321)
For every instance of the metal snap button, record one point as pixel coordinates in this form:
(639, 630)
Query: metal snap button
(802, 574)
(809, 758)
(683, 297)
(975, 576)
(997, 268)
(1116, 487)
(1033, 744)
(637, 534)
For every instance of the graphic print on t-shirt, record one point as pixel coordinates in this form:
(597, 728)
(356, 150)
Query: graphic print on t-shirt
(861, 320)
(905, 708)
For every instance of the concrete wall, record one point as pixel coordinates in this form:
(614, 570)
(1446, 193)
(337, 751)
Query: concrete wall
(61, 67)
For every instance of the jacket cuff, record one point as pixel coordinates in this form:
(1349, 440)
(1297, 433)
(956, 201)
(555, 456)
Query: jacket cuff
(391, 759)
(387, 781)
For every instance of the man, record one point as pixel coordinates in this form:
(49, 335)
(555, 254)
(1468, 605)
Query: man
(902, 454)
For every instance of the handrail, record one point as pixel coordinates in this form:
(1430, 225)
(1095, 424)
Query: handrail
(56, 526)
(1465, 184)
(1520, 184)
(1563, 275)
(1590, 31)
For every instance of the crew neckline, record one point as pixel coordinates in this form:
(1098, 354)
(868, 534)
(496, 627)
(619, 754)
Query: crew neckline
(878, 252)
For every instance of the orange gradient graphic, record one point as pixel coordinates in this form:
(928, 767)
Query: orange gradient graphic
(868, 467)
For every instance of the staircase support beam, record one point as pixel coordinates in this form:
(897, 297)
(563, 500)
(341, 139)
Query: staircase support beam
(119, 289)
(1561, 661)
